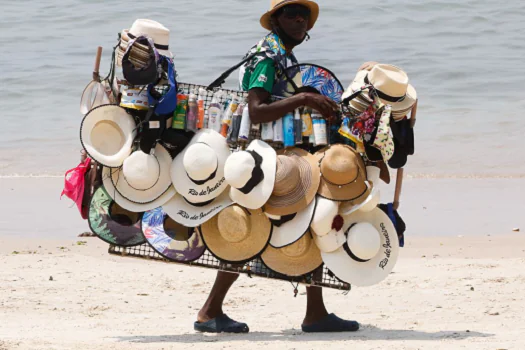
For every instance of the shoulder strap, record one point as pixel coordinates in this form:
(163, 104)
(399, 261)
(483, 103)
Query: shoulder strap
(220, 80)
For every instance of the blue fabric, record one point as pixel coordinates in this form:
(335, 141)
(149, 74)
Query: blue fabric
(167, 103)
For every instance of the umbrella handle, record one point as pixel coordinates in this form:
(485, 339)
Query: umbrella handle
(399, 187)
(96, 69)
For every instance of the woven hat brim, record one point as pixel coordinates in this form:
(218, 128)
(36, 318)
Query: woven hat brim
(292, 231)
(239, 252)
(313, 6)
(364, 274)
(281, 263)
(304, 194)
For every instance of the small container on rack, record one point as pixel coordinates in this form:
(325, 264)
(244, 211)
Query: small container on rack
(278, 135)
(179, 120)
(200, 103)
(298, 127)
(233, 131)
(215, 112)
(228, 114)
(288, 130)
(246, 124)
(193, 113)
(320, 129)
(267, 132)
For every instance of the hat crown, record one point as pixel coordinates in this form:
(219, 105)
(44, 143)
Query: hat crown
(325, 213)
(299, 248)
(389, 79)
(238, 169)
(141, 170)
(234, 224)
(364, 240)
(287, 176)
(200, 161)
(373, 174)
(153, 29)
(340, 165)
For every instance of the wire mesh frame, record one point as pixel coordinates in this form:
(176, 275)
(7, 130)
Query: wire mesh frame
(321, 278)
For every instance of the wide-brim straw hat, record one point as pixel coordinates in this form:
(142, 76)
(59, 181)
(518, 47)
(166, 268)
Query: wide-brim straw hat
(373, 199)
(277, 4)
(126, 203)
(343, 174)
(391, 84)
(325, 212)
(144, 177)
(237, 234)
(251, 174)
(289, 229)
(198, 171)
(170, 239)
(112, 223)
(107, 133)
(335, 239)
(195, 214)
(296, 182)
(298, 259)
(370, 251)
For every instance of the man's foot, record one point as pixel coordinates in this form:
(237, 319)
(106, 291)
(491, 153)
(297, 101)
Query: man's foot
(221, 324)
(331, 323)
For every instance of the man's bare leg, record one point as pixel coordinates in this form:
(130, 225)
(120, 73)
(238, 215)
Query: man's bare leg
(212, 308)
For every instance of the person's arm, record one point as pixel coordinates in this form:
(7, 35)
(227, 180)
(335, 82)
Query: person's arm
(261, 111)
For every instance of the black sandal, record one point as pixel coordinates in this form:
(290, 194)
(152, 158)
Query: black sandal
(221, 324)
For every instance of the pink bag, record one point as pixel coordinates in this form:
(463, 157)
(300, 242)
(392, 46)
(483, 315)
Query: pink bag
(74, 184)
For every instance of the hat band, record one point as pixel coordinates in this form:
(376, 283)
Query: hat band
(199, 205)
(202, 182)
(348, 251)
(283, 220)
(384, 96)
(257, 174)
(158, 46)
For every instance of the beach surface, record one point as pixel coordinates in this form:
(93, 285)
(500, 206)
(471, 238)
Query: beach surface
(458, 283)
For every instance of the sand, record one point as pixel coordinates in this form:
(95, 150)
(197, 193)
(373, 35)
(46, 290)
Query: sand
(447, 292)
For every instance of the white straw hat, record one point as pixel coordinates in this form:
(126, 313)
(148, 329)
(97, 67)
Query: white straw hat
(324, 215)
(251, 174)
(334, 239)
(107, 133)
(370, 251)
(144, 177)
(126, 203)
(289, 229)
(198, 171)
(373, 199)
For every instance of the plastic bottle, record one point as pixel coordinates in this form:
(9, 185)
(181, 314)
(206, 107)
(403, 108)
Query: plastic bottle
(307, 122)
(246, 124)
(233, 132)
(320, 132)
(298, 127)
(215, 112)
(267, 132)
(200, 104)
(288, 130)
(228, 114)
(179, 120)
(278, 131)
(193, 113)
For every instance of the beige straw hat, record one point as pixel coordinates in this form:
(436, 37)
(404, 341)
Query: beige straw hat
(343, 174)
(237, 235)
(277, 4)
(296, 182)
(298, 259)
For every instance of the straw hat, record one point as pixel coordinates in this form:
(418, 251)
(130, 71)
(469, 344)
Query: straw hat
(334, 239)
(343, 174)
(391, 84)
(296, 182)
(325, 212)
(371, 202)
(251, 174)
(170, 239)
(237, 235)
(195, 214)
(126, 203)
(107, 133)
(277, 4)
(370, 251)
(145, 27)
(289, 229)
(198, 171)
(113, 224)
(298, 259)
(144, 177)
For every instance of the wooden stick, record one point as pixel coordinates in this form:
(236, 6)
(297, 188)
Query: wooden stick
(399, 187)
(96, 69)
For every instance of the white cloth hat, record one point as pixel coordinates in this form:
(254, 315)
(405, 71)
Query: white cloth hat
(251, 174)
(107, 133)
(370, 251)
(144, 177)
(193, 215)
(289, 229)
(198, 171)
(325, 213)
(126, 203)
(373, 199)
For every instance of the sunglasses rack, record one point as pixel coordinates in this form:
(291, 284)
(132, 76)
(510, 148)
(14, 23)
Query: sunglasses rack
(322, 278)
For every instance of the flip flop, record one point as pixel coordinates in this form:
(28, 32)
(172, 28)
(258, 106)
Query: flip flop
(331, 323)
(221, 324)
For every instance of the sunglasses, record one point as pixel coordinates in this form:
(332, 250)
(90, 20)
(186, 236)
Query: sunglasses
(293, 11)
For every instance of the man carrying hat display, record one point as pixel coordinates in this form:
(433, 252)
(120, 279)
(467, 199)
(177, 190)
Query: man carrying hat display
(288, 21)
